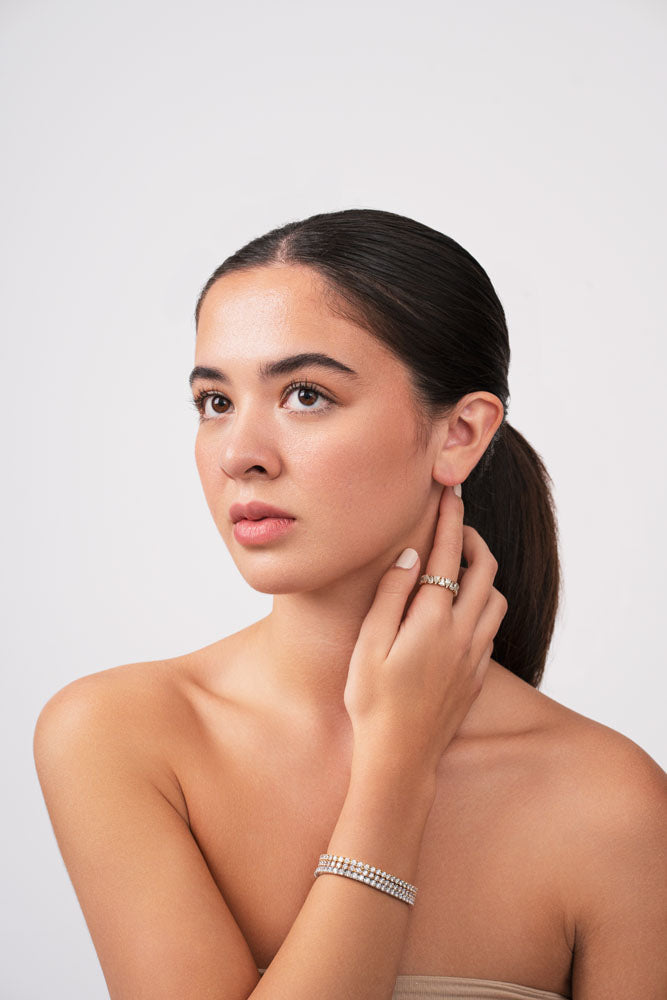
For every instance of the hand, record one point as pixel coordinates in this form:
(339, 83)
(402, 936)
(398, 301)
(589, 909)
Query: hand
(411, 683)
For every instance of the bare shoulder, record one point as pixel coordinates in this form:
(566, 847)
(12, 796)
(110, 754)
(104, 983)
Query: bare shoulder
(155, 709)
(609, 802)
(597, 788)
(104, 749)
(116, 696)
(597, 777)
(603, 773)
(587, 754)
(129, 711)
(616, 790)
(606, 801)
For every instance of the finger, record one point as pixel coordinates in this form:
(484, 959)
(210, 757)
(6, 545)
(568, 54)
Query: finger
(380, 626)
(489, 622)
(479, 576)
(445, 557)
(482, 667)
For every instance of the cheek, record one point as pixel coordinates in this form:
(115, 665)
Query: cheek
(207, 460)
(202, 458)
(369, 459)
(368, 483)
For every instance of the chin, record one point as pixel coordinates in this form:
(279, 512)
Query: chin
(278, 586)
(271, 577)
(275, 576)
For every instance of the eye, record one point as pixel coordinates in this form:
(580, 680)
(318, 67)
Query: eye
(200, 400)
(308, 390)
(307, 396)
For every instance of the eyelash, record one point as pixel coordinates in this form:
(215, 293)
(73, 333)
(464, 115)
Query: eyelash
(199, 402)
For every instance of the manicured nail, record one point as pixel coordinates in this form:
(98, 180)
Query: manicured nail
(457, 489)
(407, 559)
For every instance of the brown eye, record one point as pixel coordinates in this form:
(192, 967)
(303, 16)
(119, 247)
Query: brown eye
(308, 397)
(307, 392)
(217, 407)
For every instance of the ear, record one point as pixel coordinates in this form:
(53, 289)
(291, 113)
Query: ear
(465, 435)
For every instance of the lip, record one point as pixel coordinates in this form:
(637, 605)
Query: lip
(254, 511)
(261, 532)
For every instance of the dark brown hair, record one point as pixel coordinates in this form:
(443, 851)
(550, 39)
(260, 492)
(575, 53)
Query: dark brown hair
(433, 305)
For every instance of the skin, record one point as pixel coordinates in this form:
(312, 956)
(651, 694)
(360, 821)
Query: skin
(361, 492)
(174, 786)
(350, 471)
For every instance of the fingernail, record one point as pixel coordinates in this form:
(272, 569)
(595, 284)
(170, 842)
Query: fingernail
(457, 489)
(407, 559)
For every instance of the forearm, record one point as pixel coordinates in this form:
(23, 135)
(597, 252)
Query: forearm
(348, 937)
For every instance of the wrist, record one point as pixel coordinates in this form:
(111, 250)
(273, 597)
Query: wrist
(396, 783)
(383, 818)
(377, 765)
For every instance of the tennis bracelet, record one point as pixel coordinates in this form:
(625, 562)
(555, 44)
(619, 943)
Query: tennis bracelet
(333, 864)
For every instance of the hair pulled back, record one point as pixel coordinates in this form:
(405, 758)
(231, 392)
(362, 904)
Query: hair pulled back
(431, 303)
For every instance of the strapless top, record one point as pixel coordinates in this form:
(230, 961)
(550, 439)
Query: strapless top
(455, 988)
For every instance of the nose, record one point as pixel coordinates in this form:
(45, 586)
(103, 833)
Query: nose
(248, 448)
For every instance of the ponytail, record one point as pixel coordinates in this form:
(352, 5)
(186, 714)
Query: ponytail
(507, 498)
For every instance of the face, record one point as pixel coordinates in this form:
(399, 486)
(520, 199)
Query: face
(338, 455)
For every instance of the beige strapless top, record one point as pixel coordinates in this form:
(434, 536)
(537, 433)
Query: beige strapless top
(454, 988)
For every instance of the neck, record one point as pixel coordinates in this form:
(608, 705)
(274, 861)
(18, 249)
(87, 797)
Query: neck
(308, 641)
(301, 652)
(302, 649)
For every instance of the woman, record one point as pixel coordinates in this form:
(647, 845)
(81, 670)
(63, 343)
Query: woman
(351, 381)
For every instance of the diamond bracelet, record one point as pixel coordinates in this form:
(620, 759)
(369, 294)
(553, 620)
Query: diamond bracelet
(334, 864)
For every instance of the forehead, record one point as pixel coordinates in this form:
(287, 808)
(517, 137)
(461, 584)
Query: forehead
(274, 290)
(263, 311)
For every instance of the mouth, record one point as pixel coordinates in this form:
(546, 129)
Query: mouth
(261, 530)
(267, 517)
(256, 510)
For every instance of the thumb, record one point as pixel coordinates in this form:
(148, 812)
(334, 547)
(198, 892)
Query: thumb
(381, 624)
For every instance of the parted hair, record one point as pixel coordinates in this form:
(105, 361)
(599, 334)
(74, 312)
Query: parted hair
(432, 304)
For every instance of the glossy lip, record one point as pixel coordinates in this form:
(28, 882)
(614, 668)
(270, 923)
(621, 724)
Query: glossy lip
(254, 511)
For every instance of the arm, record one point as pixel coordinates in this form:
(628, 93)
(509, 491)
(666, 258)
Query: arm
(348, 938)
(620, 893)
(159, 923)
(160, 926)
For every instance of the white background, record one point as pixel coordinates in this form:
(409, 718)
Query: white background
(146, 141)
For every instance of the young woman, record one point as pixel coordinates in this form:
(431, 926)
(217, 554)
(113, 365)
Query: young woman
(351, 380)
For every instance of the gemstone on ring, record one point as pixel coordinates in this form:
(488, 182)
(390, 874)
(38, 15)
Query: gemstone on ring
(440, 581)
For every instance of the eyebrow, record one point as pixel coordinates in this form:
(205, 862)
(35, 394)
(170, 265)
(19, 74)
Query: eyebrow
(284, 366)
